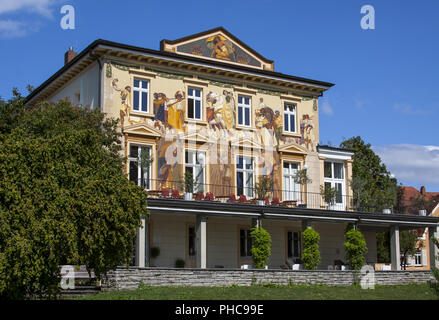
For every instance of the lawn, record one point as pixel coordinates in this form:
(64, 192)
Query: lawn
(271, 292)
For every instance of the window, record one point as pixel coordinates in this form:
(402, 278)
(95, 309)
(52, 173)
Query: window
(289, 118)
(244, 111)
(418, 258)
(138, 173)
(194, 105)
(191, 242)
(334, 178)
(293, 245)
(194, 164)
(140, 95)
(245, 242)
(292, 189)
(244, 176)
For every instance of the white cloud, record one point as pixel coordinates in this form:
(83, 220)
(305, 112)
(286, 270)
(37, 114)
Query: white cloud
(12, 29)
(409, 110)
(42, 7)
(326, 108)
(413, 165)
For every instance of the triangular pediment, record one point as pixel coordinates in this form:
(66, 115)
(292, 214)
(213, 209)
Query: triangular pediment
(142, 129)
(292, 148)
(218, 45)
(195, 136)
(246, 143)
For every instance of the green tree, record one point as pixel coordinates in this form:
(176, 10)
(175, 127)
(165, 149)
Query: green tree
(434, 270)
(64, 198)
(311, 253)
(261, 247)
(355, 248)
(374, 189)
(408, 244)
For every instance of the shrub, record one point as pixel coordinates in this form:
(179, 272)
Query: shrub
(311, 254)
(261, 247)
(355, 248)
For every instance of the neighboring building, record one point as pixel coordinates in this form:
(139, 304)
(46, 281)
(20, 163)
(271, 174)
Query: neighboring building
(210, 105)
(411, 200)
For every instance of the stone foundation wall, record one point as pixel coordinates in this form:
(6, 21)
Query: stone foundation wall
(125, 279)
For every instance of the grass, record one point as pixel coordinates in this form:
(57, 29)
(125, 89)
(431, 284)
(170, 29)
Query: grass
(271, 292)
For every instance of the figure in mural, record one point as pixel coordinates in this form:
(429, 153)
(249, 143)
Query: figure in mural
(266, 118)
(221, 110)
(307, 132)
(221, 48)
(176, 111)
(167, 164)
(169, 113)
(160, 112)
(125, 97)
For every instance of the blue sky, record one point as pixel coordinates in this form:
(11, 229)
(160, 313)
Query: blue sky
(386, 79)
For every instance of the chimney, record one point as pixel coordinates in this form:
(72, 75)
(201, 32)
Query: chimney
(69, 55)
(423, 190)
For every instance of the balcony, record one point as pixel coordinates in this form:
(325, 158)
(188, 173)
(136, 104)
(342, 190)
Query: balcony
(245, 195)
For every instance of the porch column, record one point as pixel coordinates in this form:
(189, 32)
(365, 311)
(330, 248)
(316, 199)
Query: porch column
(434, 252)
(256, 222)
(395, 254)
(147, 245)
(140, 245)
(201, 241)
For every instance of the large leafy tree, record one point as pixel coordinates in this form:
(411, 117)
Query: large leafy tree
(374, 189)
(64, 198)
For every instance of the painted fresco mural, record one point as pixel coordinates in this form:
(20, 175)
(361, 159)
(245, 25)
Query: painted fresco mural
(168, 117)
(218, 47)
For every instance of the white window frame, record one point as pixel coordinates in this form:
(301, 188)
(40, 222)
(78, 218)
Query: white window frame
(195, 98)
(197, 167)
(333, 181)
(244, 106)
(141, 90)
(288, 180)
(139, 168)
(247, 190)
(289, 113)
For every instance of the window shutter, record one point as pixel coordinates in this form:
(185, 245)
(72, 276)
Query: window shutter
(424, 257)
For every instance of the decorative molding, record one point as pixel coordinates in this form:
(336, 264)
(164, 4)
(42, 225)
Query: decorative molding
(142, 129)
(270, 92)
(221, 84)
(170, 75)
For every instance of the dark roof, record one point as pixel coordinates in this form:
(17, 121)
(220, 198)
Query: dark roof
(167, 54)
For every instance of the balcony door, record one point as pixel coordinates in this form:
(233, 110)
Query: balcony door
(334, 178)
(139, 173)
(291, 188)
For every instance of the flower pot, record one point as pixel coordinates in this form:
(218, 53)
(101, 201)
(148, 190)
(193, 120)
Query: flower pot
(187, 196)
(387, 211)
(423, 212)
(261, 202)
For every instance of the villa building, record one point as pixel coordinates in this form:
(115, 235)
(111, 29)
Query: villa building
(210, 105)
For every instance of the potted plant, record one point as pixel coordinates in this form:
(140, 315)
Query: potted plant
(175, 194)
(188, 185)
(232, 198)
(329, 195)
(179, 263)
(301, 177)
(242, 199)
(209, 196)
(199, 196)
(165, 193)
(262, 188)
(275, 201)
